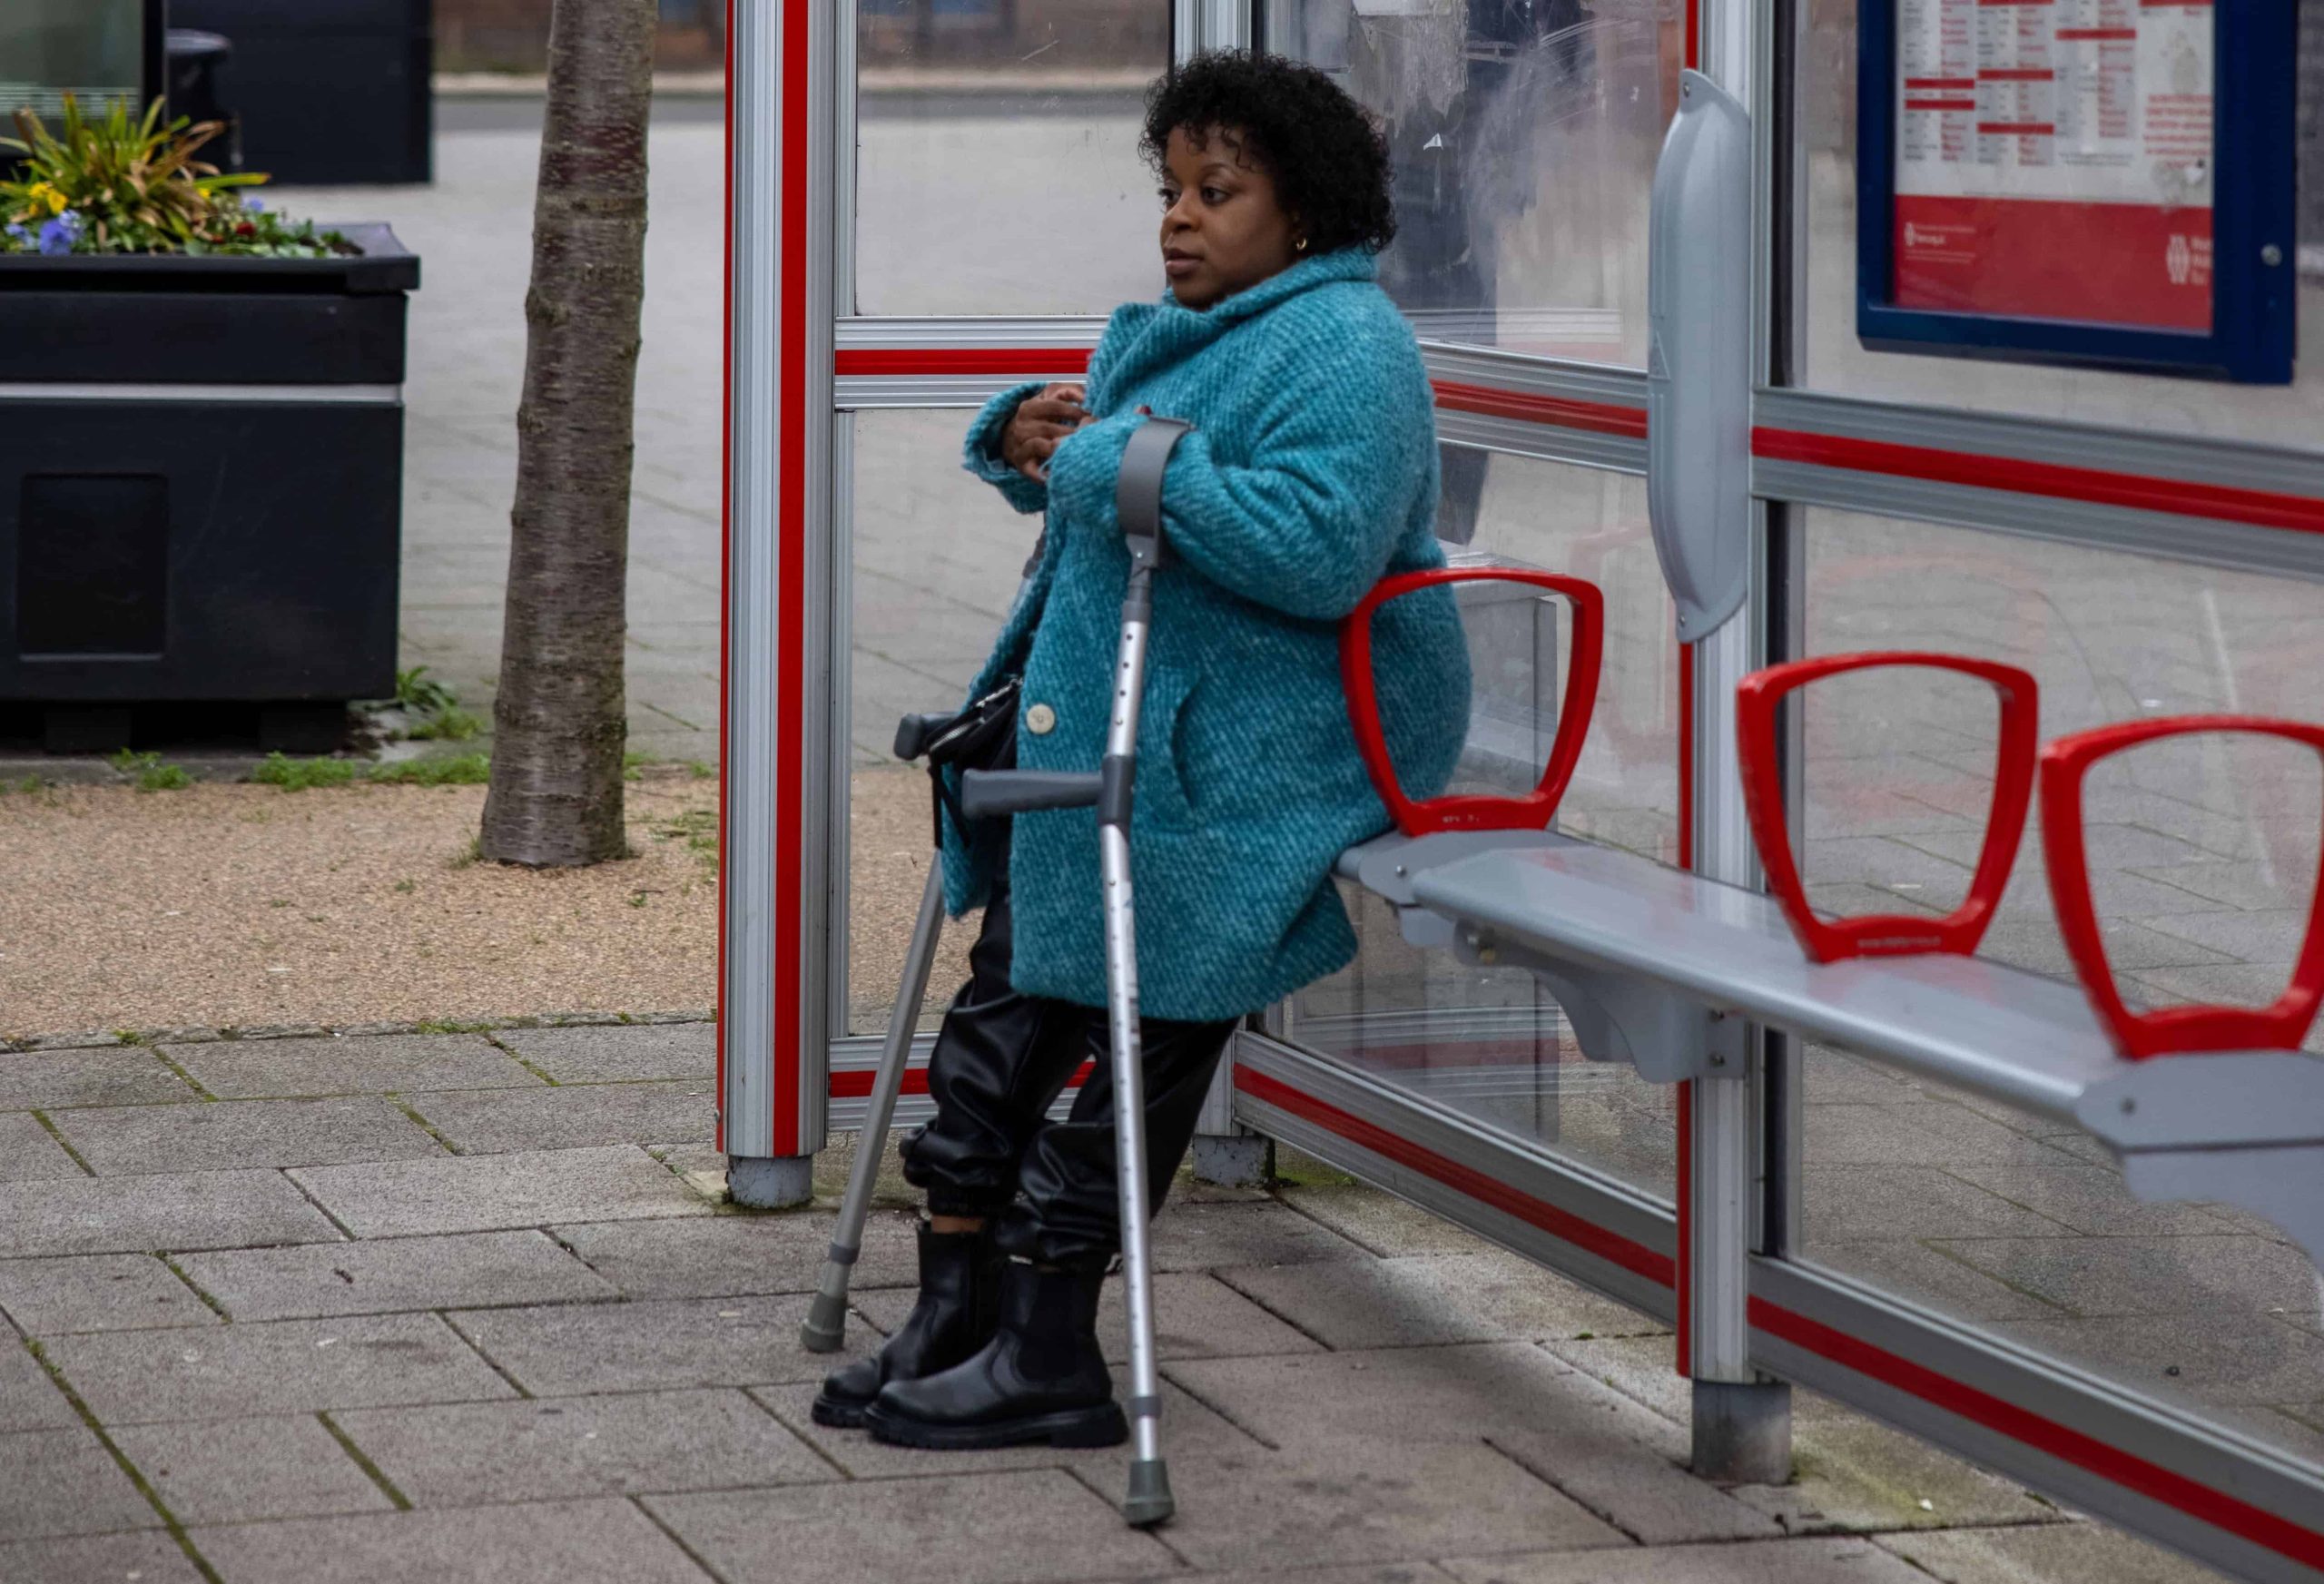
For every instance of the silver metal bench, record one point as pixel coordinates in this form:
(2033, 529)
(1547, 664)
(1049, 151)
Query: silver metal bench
(1662, 968)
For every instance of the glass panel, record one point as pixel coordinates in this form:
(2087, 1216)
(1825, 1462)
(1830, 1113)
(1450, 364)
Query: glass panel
(1491, 1042)
(937, 559)
(1523, 134)
(2204, 856)
(1826, 79)
(997, 167)
(93, 49)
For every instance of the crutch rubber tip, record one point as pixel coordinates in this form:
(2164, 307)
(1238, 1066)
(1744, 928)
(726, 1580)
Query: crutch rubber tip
(1149, 1501)
(825, 1327)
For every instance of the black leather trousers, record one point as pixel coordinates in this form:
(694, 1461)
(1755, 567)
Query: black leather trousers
(1001, 1059)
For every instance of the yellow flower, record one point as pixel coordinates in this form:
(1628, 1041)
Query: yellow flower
(46, 193)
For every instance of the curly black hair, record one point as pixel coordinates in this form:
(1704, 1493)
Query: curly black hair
(1323, 152)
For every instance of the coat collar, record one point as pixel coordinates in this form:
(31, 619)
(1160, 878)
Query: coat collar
(1346, 264)
(1152, 335)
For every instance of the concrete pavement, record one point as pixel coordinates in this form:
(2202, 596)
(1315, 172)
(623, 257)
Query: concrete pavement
(399, 1306)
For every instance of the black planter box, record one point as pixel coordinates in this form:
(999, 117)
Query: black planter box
(326, 91)
(201, 480)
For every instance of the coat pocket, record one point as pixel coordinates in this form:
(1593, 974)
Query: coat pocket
(1164, 796)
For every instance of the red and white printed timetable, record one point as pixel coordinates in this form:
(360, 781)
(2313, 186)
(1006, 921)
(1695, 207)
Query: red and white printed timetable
(2055, 159)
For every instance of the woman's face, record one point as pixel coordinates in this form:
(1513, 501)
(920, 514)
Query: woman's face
(1223, 230)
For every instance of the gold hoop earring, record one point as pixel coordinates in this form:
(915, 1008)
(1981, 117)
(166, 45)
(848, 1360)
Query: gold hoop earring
(1300, 246)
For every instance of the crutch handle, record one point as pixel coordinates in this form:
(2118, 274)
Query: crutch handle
(915, 732)
(987, 792)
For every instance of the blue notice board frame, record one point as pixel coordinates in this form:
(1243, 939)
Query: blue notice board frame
(2253, 299)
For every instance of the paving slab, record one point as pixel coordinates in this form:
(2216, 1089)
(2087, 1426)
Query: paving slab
(291, 1366)
(570, 1349)
(1851, 1475)
(564, 1542)
(2227, 1357)
(1915, 1134)
(1641, 1368)
(572, 1116)
(1833, 1076)
(1189, 1430)
(190, 1210)
(1802, 1561)
(1628, 1465)
(1370, 1500)
(1195, 1316)
(1190, 1236)
(1613, 1455)
(106, 1292)
(613, 1053)
(1426, 1299)
(369, 1064)
(141, 1140)
(489, 1193)
(1848, 1202)
(1033, 1527)
(1379, 1573)
(28, 1153)
(1460, 1393)
(1917, 1271)
(2089, 1199)
(722, 1255)
(114, 1075)
(2148, 1275)
(2050, 1553)
(150, 1556)
(29, 1399)
(237, 1470)
(64, 1483)
(383, 1275)
(581, 1446)
(1378, 1224)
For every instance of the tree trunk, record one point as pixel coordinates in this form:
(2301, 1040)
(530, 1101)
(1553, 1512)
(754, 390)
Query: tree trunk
(559, 723)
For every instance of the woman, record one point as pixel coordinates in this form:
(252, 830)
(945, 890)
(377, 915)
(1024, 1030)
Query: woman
(1310, 473)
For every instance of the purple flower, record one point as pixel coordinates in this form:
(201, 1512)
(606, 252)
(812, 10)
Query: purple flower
(17, 233)
(58, 235)
(255, 205)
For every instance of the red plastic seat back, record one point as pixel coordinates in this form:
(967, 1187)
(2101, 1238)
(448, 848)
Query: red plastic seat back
(1470, 812)
(2065, 765)
(1758, 698)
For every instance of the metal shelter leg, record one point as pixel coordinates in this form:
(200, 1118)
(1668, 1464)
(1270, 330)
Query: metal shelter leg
(1227, 1153)
(1707, 529)
(770, 1182)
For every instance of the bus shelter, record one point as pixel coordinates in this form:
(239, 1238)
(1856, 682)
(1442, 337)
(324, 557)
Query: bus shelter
(1934, 325)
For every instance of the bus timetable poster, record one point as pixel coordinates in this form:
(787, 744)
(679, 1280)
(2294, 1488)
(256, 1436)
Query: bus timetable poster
(2054, 160)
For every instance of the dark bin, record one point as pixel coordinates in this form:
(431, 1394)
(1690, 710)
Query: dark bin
(328, 92)
(197, 64)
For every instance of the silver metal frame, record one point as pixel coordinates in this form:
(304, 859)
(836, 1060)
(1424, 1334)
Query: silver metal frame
(760, 1123)
(2207, 541)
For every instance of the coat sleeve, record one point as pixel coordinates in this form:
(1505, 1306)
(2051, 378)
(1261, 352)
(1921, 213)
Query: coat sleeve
(1303, 513)
(981, 453)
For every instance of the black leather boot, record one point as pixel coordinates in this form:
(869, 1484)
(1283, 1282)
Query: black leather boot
(959, 1304)
(1041, 1378)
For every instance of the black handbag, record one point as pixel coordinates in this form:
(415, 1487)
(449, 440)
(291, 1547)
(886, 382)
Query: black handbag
(983, 736)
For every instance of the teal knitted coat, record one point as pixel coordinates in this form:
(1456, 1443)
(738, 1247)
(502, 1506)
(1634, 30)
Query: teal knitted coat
(1311, 472)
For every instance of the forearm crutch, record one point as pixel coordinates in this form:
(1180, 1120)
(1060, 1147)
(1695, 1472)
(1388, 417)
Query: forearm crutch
(825, 1326)
(1137, 500)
